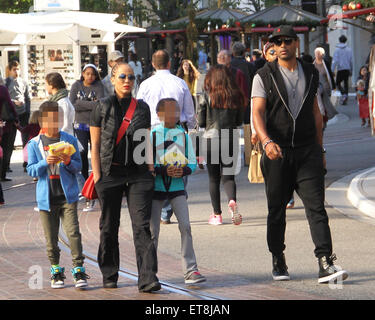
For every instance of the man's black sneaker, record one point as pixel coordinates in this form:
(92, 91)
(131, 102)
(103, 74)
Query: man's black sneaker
(109, 285)
(280, 270)
(154, 286)
(328, 272)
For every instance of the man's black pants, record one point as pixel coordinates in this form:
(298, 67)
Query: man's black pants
(343, 76)
(139, 193)
(300, 169)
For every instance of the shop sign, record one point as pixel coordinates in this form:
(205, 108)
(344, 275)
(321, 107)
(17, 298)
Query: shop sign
(55, 5)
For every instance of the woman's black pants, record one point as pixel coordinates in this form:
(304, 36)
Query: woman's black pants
(139, 194)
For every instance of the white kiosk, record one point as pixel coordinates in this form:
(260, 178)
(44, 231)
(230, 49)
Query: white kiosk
(56, 38)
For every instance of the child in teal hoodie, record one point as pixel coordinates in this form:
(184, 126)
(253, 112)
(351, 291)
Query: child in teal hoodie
(174, 158)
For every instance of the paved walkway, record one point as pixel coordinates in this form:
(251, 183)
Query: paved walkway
(22, 249)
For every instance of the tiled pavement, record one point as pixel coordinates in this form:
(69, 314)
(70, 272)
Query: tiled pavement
(22, 251)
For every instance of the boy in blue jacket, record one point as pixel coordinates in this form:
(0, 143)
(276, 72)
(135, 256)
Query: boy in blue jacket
(174, 158)
(57, 193)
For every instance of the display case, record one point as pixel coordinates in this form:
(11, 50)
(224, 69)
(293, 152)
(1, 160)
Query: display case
(46, 59)
(36, 71)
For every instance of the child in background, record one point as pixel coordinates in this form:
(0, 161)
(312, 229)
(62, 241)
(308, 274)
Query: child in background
(30, 131)
(362, 98)
(170, 138)
(57, 193)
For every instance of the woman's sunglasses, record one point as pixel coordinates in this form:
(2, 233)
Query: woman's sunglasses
(278, 42)
(123, 76)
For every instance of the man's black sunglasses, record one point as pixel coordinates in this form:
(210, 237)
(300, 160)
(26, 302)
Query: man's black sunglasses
(279, 41)
(123, 76)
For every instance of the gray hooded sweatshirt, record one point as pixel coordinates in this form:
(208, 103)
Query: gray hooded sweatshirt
(342, 58)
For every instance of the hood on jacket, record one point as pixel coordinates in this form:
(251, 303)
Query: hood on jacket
(341, 45)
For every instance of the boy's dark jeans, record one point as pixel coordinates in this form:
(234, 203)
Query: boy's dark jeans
(84, 138)
(139, 193)
(51, 224)
(300, 169)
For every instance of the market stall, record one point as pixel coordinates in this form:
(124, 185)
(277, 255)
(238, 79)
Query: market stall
(59, 41)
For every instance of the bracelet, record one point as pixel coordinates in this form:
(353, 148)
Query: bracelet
(265, 144)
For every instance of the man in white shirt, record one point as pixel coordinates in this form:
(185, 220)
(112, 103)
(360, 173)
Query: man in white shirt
(162, 85)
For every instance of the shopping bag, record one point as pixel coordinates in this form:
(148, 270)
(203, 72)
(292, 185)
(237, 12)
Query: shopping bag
(255, 173)
(88, 190)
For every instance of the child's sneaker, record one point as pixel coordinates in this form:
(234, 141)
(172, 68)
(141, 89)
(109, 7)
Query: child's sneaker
(233, 211)
(80, 277)
(57, 277)
(215, 219)
(89, 206)
(194, 277)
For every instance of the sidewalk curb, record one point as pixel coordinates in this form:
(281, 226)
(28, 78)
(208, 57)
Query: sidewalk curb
(357, 195)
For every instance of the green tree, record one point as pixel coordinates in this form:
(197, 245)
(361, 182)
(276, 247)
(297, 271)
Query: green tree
(15, 6)
(192, 36)
(94, 5)
(163, 11)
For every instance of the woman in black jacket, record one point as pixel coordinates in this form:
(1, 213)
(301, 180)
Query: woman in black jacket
(116, 170)
(220, 112)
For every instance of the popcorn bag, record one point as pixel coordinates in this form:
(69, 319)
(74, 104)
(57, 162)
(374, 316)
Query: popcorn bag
(174, 157)
(59, 148)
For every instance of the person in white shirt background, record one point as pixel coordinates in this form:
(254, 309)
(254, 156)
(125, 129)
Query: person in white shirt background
(163, 84)
(113, 58)
(137, 68)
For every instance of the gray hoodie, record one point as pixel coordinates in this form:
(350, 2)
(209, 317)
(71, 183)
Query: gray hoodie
(342, 58)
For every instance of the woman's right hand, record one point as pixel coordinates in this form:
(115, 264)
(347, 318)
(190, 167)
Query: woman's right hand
(97, 177)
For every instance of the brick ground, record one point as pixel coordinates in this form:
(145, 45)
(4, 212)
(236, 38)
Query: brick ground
(22, 246)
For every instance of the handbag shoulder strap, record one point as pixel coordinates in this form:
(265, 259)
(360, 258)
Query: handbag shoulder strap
(127, 120)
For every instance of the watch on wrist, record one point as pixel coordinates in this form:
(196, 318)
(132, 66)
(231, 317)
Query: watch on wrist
(266, 143)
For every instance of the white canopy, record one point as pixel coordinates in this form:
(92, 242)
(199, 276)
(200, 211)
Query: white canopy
(51, 22)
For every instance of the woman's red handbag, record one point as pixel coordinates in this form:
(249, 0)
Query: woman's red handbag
(88, 190)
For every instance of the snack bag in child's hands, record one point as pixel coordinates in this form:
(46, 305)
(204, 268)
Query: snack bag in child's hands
(62, 147)
(174, 157)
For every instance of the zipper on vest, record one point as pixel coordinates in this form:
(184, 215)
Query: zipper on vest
(303, 101)
(294, 121)
(307, 93)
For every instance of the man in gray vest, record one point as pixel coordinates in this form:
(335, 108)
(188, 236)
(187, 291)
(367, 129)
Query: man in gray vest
(288, 122)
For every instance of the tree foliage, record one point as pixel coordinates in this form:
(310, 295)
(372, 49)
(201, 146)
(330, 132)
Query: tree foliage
(94, 5)
(15, 6)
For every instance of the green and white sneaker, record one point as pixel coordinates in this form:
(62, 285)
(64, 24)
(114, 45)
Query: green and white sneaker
(80, 277)
(57, 277)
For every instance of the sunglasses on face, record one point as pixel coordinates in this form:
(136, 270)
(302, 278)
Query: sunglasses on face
(288, 41)
(131, 77)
